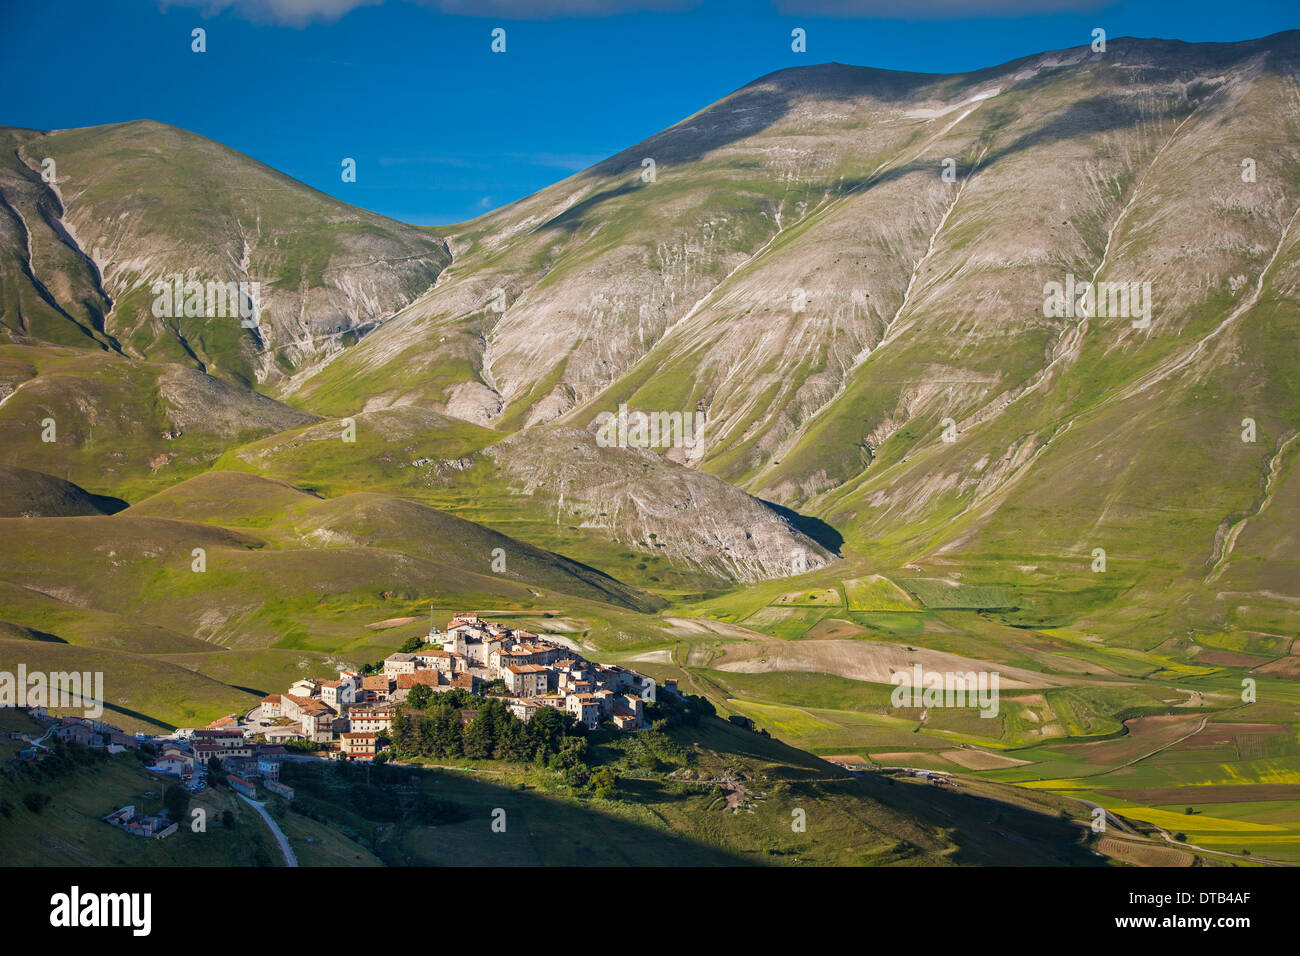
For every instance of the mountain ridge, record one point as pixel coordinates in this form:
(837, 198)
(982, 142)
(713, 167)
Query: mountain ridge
(879, 201)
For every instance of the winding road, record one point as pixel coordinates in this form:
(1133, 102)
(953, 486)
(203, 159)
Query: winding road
(289, 858)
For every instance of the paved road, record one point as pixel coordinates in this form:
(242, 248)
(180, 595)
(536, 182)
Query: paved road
(285, 848)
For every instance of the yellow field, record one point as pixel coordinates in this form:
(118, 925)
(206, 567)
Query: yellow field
(877, 593)
(782, 721)
(827, 597)
(1193, 822)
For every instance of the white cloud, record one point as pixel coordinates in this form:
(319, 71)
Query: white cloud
(573, 162)
(297, 13)
(294, 13)
(935, 9)
(552, 9)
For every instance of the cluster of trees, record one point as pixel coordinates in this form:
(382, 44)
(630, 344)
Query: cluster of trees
(573, 762)
(349, 795)
(456, 723)
(672, 711)
(651, 751)
(62, 758)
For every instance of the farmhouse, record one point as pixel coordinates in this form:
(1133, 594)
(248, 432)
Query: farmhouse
(584, 707)
(279, 789)
(157, 827)
(242, 785)
(205, 750)
(222, 738)
(445, 661)
(315, 718)
(395, 664)
(336, 694)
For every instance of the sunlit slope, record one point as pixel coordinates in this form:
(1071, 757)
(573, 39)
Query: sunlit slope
(132, 203)
(557, 488)
(122, 427)
(841, 299)
(294, 518)
(49, 289)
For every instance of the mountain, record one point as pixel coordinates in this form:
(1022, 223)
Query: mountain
(801, 272)
(825, 268)
(833, 269)
(131, 204)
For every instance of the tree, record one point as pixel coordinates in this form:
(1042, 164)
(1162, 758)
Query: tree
(411, 645)
(647, 761)
(577, 776)
(512, 740)
(176, 800)
(605, 781)
(35, 801)
(572, 753)
(419, 696)
(479, 738)
(402, 733)
(546, 729)
(445, 732)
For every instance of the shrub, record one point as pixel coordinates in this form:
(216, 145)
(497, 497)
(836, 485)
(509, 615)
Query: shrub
(36, 801)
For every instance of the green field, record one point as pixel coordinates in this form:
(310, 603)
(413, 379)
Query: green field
(877, 593)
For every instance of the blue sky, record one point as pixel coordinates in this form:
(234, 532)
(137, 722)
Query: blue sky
(443, 129)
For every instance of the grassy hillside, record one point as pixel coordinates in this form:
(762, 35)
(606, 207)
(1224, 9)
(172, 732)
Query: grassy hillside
(119, 427)
(52, 816)
(32, 494)
(228, 218)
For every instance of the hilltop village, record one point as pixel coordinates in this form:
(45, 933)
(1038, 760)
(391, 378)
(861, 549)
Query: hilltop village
(352, 716)
(351, 713)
